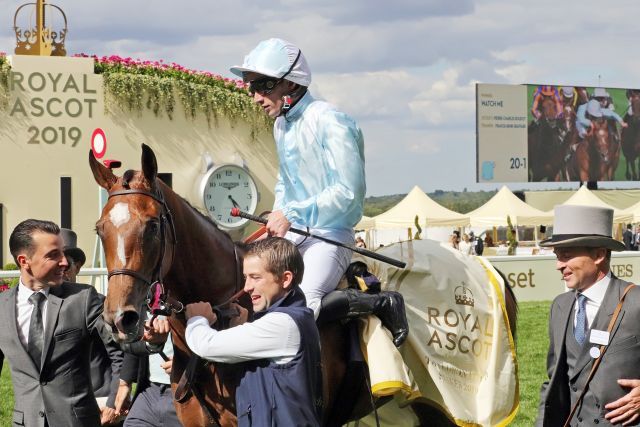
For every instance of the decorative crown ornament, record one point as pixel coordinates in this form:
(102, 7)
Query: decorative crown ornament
(464, 296)
(42, 39)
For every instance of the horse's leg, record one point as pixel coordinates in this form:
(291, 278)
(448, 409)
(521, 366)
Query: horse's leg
(190, 412)
(334, 366)
(583, 165)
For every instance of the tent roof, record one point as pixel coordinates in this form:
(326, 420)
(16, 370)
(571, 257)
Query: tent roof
(429, 212)
(586, 197)
(366, 223)
(633, 211)
(494, 212)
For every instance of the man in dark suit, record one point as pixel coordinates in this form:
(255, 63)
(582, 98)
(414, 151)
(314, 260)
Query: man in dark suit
(578, 326)
(627, 238)
(46, 333)
(104, 379)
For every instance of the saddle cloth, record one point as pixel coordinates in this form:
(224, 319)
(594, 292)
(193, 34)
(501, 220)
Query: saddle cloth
(460, 349)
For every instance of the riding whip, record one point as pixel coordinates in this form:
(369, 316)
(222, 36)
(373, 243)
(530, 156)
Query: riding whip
(361, 251)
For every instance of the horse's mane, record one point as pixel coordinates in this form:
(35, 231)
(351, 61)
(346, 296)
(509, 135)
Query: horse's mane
(130, 174)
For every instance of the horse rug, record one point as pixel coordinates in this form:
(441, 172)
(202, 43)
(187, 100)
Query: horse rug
(460, 349)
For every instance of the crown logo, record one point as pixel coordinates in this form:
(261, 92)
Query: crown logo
(42, 38)
(464, 296)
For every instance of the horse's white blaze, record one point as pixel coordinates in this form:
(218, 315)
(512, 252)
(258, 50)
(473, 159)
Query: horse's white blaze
(119, 214)
(121, 255)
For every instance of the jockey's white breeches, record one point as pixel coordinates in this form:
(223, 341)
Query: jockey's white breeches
(324, 264)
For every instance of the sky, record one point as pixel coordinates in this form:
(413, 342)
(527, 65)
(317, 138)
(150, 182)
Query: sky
(405, 70)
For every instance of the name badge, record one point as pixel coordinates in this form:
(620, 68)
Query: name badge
(599, 337)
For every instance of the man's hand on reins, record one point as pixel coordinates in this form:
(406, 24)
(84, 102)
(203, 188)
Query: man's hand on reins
(167, 366)
(278, 224)
(201, 309)
(242, 317)
(156, 330)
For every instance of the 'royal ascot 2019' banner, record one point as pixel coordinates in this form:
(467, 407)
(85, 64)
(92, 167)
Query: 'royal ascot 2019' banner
(534, 133)
(460, 349)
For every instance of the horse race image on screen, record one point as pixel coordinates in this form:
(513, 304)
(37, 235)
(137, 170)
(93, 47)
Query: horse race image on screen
(535, 133)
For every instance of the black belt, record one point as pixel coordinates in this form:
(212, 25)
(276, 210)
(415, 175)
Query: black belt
(162, 386)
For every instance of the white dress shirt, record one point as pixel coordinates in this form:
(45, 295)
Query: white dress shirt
(595, 295)
(275, 336)
(24, 310)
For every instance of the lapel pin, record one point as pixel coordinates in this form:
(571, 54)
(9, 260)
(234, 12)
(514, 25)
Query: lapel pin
(594, 352)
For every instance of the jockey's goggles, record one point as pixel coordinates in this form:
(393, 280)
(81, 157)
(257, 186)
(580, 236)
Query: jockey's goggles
(265, 85)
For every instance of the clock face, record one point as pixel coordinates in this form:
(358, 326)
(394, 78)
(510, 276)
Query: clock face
(226, 187)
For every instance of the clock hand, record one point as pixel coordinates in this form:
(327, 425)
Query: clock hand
(235, 204)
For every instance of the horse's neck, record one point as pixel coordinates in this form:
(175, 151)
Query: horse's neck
(204, 264)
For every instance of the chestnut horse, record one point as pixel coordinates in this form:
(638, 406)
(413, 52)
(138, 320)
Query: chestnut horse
(547, 145)
(631, 137)
(597, 155)
(149, 234)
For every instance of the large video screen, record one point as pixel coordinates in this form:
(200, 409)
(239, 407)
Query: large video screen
(536, 133)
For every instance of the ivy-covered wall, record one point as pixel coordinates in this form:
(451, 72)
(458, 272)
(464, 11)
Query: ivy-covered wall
(5, 69)
(155, 85)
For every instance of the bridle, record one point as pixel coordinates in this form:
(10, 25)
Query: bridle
(157, 300)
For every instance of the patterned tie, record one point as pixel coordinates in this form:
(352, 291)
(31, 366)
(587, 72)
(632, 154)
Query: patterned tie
(36, 330)
(580, 332)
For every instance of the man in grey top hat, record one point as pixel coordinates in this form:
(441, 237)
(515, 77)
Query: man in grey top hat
(578, 325)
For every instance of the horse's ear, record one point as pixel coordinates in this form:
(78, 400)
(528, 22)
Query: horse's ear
(149, 164)
(102, 174)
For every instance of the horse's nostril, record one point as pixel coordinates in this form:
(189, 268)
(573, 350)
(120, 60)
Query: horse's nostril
(127, 321)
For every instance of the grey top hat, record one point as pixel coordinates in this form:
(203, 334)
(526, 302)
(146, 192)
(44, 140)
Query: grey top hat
(71, 249)
(589, 226)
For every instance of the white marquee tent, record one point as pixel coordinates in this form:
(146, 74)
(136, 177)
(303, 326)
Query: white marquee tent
(586, 197)
(504, 203)
(430, 213)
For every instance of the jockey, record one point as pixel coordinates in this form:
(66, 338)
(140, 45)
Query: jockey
(321, 180)
(545, 92)
(594, 109)
(569, 96)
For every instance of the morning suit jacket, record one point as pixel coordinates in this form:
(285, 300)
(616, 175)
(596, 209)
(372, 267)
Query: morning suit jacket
(620, 360)
(106, 362)
(61, 390)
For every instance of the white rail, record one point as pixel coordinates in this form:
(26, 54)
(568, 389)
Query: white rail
(98, 277)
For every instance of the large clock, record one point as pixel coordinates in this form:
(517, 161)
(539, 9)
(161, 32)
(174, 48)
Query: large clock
(227, 186)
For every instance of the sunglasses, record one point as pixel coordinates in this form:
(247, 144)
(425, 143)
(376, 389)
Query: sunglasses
(263, 86)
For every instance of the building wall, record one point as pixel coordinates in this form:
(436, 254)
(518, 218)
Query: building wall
(41, 140)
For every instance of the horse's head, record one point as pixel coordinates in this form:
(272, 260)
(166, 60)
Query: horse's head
(569, 117)
(548, 109)
(600, 129)
(134, 232)
(634, 100)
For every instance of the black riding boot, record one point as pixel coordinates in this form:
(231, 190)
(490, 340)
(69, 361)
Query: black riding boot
(350, 303)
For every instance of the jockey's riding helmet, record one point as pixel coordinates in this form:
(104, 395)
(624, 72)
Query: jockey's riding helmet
(276, 58)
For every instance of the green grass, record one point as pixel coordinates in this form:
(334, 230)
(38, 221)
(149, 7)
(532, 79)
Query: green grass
(532, 345)
(6, 396)
(532, 353)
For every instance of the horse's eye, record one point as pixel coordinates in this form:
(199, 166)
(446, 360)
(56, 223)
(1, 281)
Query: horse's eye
(153, 226)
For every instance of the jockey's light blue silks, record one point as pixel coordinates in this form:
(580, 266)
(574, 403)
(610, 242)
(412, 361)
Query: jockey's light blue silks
(321, 180)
